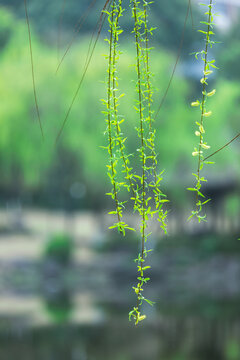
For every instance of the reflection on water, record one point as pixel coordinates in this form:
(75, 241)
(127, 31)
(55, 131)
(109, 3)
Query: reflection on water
(165, 337)
(91, 324)
(78, 310)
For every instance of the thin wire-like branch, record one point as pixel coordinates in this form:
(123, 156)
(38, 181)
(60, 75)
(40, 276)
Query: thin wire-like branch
(191, 14)
(78, 27)
(32, 67)
(60, 26)
(88, 61)
(215, 152)
(177, 60)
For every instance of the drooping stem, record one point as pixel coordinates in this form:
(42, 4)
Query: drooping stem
(155, 185)
(223, 147)
(59, 36)
(141, 118)
(148, 182)
(191, 14)
(78, 27)
(176, 61)
(115, 137)
(32, 68)
(119, 137)
(111, 143)
(140, 204)
(88, 61)
(202, 145)
(204, 81)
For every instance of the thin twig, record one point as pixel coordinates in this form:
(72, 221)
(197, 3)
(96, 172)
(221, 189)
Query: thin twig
(84, 72)
(78, 27)
(215, 152)
(60, 26)
(177, 60)
(32, 66)
(191, 14)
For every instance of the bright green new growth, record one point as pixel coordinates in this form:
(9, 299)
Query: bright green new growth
(143, 186)
(202, 145)
(148, 158)
(110, 103)
(116, 141)
(141, 202)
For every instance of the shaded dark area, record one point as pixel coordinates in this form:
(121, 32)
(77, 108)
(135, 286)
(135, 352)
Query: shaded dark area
(197, 315)
(163, 341)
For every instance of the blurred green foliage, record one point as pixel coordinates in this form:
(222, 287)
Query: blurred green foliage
(46, 17)
(229, 53)
(233, 204)
(59, 248)
(232, 350)
(6, 27)
(27, 163)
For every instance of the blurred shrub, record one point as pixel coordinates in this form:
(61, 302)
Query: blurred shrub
(59, 248)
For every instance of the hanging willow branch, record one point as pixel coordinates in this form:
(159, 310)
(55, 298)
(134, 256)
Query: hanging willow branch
(115, 139)
(120, 139)
(198, 152)
(142, 199)
(148, 183)
(150, 143)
